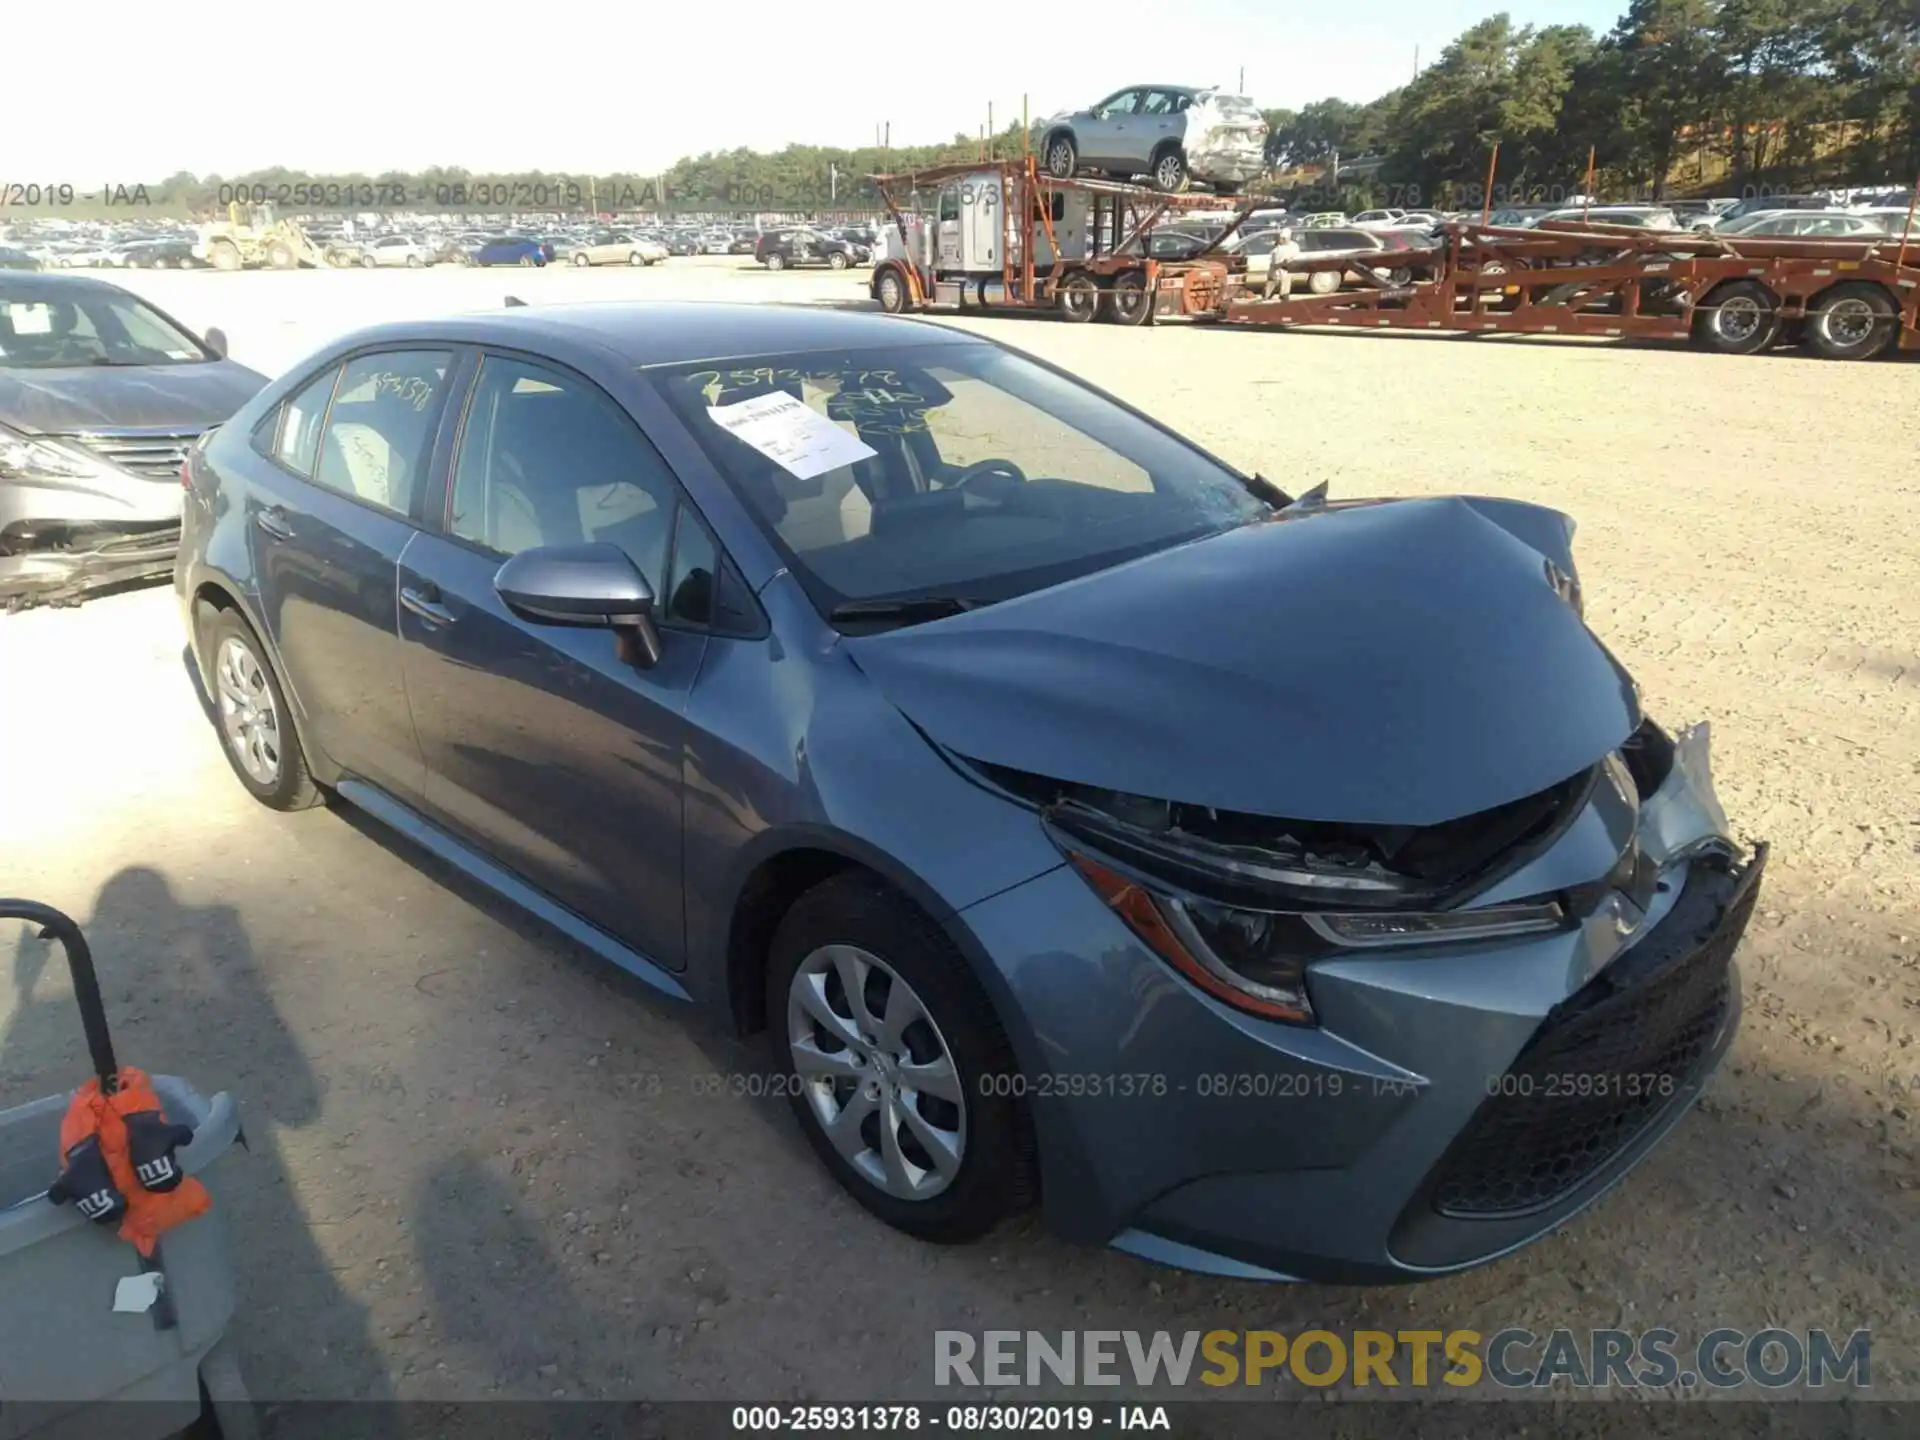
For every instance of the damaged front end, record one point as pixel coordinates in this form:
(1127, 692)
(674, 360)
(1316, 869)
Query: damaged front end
(1243, 905)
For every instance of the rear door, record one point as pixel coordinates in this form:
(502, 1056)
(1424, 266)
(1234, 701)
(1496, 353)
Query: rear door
(543, 748)
(1160, 119)
(331, 508)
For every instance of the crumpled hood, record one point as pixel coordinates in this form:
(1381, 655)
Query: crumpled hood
(1400, 663)
(90, 397)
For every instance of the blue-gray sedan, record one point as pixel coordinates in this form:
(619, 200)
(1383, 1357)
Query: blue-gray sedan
(1259, 884)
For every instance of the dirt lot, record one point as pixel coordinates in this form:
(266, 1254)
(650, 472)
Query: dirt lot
(459, 1186)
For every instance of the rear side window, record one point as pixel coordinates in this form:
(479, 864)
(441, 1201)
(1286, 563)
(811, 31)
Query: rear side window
(380, 429)
(298, 443)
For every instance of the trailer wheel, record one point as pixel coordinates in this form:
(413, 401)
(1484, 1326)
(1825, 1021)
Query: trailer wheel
(1740, 318)
(1855, 321)
(1079, 297)
(1128, 302)
(891, 291)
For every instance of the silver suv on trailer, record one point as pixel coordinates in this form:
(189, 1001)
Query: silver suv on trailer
(1172, 133)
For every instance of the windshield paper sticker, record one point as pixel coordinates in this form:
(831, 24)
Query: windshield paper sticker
(797, 438)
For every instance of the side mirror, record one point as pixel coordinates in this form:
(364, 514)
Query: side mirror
(583, 585)
(217, 341)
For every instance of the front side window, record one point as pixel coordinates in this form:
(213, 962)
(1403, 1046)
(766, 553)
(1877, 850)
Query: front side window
(1122, 104)
(380, 429)
(944, 470)
(546, 458)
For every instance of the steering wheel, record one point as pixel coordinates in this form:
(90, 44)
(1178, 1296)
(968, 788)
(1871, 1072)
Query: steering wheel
(987, 467)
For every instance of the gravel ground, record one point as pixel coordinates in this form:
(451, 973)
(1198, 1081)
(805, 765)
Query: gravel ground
(464, 1183)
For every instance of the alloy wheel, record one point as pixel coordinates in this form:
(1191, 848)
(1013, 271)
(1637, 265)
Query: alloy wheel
(878, 1075)
(248, 716)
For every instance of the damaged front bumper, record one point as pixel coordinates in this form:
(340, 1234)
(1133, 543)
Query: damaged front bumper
(61, 563)
(1446, 1104)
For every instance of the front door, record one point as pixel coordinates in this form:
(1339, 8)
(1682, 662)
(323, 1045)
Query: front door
(1110, 132)
(330, 512)
(543, 747)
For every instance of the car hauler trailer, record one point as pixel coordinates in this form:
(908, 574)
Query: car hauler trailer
(1004, 235)
(1845, 299)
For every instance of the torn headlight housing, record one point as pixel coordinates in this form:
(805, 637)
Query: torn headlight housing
(25, 459)
(1245, 922)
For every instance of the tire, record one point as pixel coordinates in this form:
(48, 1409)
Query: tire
(776, 261)
(580, 259)
(224, 256)
(1128, 302)
(367, 262)
(274, 771)
(1400, 276)
(414, 262)
(526, 262)
(1739, 318)
(634, 257)
(1170, 171)
(1063, 156)
(839, 929)
(1854, 321)
(890, 289)
(280, 257)
(1323, 282)
(1079, 298)
(836, 260)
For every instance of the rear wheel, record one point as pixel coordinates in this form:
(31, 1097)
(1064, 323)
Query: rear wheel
(281, 256)
(1856, 321)
(776, 261)
(1128, 302)
(256, 727)
(1170, 172)
(1324, 282)
(1079, 297)
(414, 262)
(580, 259)
(898, 1069)
(526, 262)
(636, 258)
(1740, 318)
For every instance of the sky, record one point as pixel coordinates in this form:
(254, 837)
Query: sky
(596, 87)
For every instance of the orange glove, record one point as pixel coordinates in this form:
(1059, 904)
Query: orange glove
(174, 1199)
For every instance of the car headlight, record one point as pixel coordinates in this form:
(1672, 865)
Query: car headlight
(1257, 960)
(26, 459)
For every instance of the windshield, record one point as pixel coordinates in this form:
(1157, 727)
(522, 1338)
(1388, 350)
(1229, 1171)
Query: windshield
(104, 327)
(960, 471)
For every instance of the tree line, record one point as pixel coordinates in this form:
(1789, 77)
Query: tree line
(1680, 97)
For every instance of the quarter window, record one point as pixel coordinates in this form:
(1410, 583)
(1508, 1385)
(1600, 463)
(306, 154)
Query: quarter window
(299, 439)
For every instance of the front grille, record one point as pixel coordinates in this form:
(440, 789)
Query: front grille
(150, 454)
(1606, 1064)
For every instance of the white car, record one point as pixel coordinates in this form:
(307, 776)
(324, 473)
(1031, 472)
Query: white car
(398, 250)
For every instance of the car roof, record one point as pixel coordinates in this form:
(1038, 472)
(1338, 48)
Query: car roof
(48, 285)
(668, 332)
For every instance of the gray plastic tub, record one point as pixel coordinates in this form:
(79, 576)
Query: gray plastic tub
(65, 1353)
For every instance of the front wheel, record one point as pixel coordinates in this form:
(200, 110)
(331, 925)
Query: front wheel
(256, 727)
(836, 261)
(896, 1066)
(1323, 282)
(580, 259)
(891, 291)
(526, 262)
(1063, 157)
(776, 262)
(636, 258)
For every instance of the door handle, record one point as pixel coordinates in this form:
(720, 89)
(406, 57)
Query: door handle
(274, 521)
(425, 603)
